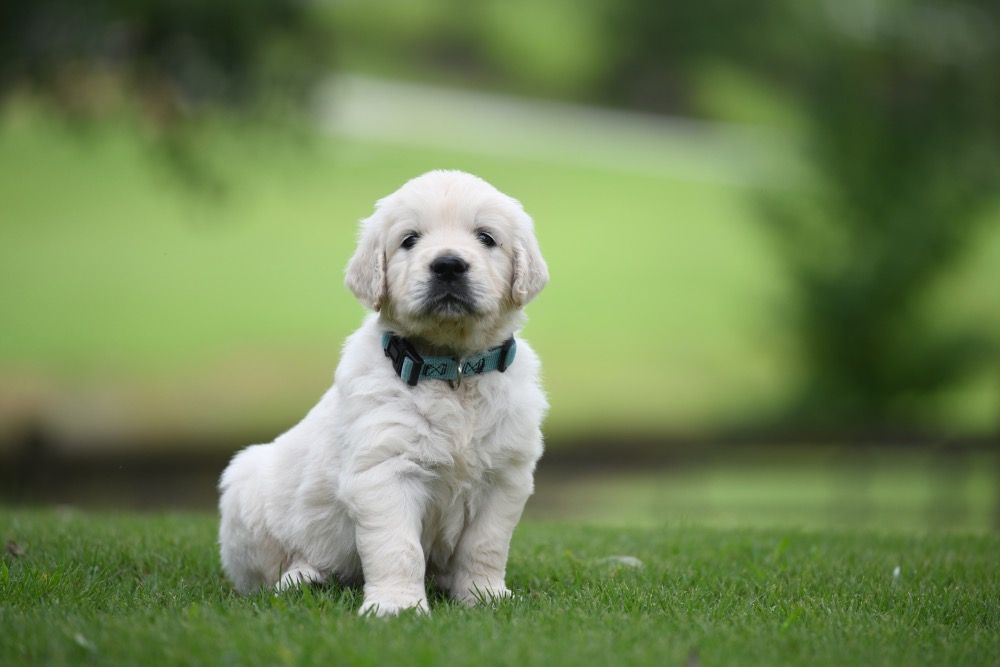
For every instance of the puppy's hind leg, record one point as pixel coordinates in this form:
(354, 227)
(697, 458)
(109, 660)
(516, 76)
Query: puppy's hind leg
(251, 557)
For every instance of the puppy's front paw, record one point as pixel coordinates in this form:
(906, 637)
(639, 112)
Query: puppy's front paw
(474, 594)
(393, 605)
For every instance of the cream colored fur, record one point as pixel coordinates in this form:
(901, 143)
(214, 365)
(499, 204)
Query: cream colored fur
(392, 485)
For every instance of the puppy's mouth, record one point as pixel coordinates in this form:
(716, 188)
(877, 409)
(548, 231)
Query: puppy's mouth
(450, 301)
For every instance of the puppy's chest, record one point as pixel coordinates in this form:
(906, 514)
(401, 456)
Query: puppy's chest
(460, 441)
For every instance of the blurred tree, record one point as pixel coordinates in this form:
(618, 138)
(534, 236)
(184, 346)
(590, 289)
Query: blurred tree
(659, 48)
(901, 107)
(174, 62)
(903, 113)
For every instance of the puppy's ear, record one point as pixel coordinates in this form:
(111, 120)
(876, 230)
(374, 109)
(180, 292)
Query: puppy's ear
(530, 272)
(365, 275)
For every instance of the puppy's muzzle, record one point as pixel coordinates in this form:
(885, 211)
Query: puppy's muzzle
(450, 294)
(449, 268)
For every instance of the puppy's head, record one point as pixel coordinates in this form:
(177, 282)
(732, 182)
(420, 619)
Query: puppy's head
(448, 256)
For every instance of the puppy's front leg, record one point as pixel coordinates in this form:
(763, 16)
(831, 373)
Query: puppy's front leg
(479, 565)
(387, 504)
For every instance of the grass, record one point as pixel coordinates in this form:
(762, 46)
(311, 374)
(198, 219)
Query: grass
(119, 589)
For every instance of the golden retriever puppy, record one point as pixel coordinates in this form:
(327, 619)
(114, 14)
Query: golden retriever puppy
(417, 463)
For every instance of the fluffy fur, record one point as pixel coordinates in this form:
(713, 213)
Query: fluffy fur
(388, 484)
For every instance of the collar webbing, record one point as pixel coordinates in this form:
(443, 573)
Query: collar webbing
(412, 367)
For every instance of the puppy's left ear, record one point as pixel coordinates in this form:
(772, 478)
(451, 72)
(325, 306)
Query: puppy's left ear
(365, 275)
(530, 272)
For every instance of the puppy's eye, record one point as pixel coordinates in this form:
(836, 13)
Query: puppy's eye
(409, 241)
(486, 239)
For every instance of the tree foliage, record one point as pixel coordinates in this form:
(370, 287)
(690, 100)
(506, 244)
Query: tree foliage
(176, 57)
(174, 64)
(901, 108)
(905, 137)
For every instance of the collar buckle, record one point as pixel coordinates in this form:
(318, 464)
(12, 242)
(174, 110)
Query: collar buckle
(507, 351)
(406, 361)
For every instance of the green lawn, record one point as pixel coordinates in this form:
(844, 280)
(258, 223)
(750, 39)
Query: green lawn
(120, 589)
(131, 311)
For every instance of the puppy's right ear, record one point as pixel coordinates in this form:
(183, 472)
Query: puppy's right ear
(365, 275)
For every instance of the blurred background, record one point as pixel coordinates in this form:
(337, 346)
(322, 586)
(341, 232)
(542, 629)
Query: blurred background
(773, 229)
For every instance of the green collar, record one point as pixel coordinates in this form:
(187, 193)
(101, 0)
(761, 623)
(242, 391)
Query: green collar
(412, 367)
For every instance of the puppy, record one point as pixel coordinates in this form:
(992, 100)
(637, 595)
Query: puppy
(417, 463)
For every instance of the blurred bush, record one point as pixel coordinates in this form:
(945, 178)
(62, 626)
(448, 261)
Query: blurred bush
(898, 109)
(902, 120)
(172, 63)
(553, 49)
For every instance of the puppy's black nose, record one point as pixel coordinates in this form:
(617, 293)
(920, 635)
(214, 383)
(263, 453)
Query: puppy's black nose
(449, 267)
